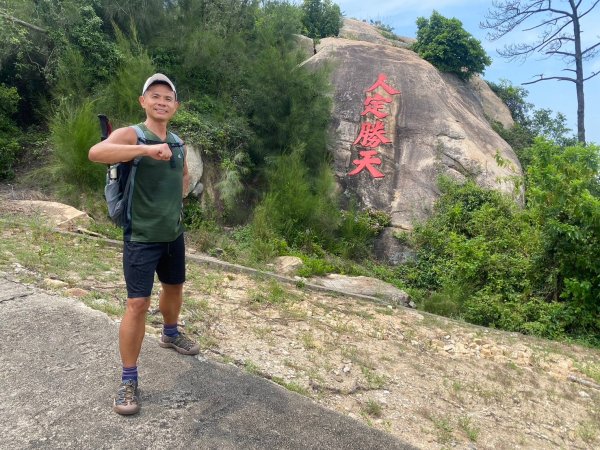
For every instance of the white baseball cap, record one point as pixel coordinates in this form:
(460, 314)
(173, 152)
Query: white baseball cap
(158, 78)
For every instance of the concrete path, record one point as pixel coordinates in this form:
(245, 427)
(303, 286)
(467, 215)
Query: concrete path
(59, 369)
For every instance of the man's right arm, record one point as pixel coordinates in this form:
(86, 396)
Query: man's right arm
(122, 146)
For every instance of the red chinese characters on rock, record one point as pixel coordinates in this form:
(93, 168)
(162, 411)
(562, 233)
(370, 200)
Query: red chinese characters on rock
(367, 162)
(372, 135)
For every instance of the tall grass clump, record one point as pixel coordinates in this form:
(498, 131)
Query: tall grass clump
(298, 210)
(74, 129)
(118, 98)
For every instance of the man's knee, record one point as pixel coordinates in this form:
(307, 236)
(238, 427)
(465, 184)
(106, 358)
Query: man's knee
(172, 289)
(138, 305)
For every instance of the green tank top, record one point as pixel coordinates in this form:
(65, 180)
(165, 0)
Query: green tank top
(156, 205)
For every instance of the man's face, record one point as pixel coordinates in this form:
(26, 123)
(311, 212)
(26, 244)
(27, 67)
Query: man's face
(159, 102)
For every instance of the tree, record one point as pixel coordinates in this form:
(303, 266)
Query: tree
(445, 44)
(322, 18)
(559, 35)
(529, 122)
(564, 198)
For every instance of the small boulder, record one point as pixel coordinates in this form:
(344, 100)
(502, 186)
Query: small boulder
(55, 214)
(287, 265)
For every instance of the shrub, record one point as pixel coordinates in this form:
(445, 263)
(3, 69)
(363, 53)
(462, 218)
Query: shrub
(564, 197)
(74, 130)
(9, 146)
(118, 98)
(357, 232)
(298, 207)
(445, 44)
(475, 259)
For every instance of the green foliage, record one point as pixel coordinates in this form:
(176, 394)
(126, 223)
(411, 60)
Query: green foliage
(357, 232)
(321, 18)
(315, 267)
(23, 58)
(485, 260)
(564, 195)
(529, 122)
(74, 130)
(215, 138)
(445, 44)
(73, 55)
(297, 110)
(473, 254)
(386, 30)
(9, 146)
(514, 98)
(296, 209)
(118, 97)
(86, 35)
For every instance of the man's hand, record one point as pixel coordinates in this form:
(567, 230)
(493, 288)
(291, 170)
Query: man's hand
(162, 152)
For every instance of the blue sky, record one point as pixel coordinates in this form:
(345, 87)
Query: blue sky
(555, 95)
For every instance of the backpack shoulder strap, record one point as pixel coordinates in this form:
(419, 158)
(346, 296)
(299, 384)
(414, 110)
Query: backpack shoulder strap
(178, 143)
(177, 139)
(140, 134)
(141, 139)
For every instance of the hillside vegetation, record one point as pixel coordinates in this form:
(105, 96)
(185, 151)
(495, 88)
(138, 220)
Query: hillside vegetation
(261, 122)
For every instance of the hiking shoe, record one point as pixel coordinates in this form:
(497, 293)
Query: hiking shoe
(181, 343)
(127, 400)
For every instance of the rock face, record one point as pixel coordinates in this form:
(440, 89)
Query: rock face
(397, 144)
(195, 170)
(365, 286)
(360, 31)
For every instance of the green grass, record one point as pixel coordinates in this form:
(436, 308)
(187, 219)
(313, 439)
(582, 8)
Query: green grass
(291, 386)
(272, 293)
(443, 428)
(251, 367)
(374, 380)
(60, 256)
(372, 408)
(469, 428)
(591, 370)
(308, 341)
(98, 302)
(588, 432)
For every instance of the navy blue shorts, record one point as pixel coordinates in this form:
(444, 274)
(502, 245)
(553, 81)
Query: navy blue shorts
(141, 260)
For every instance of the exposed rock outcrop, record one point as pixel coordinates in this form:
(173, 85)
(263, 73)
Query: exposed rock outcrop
(361, 31)
(195, 170)
(365, 286)
(53, 214)
(436, 124)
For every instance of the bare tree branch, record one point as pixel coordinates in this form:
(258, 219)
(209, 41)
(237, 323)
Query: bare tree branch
(559, 35)
(584, 52)
(543, 78)
(23, 23)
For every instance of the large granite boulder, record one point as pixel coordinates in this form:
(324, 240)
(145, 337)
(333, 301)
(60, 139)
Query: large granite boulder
(195, 170)
(361, 31)
(398, 124)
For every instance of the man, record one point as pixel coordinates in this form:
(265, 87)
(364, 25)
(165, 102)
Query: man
(153, 232)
